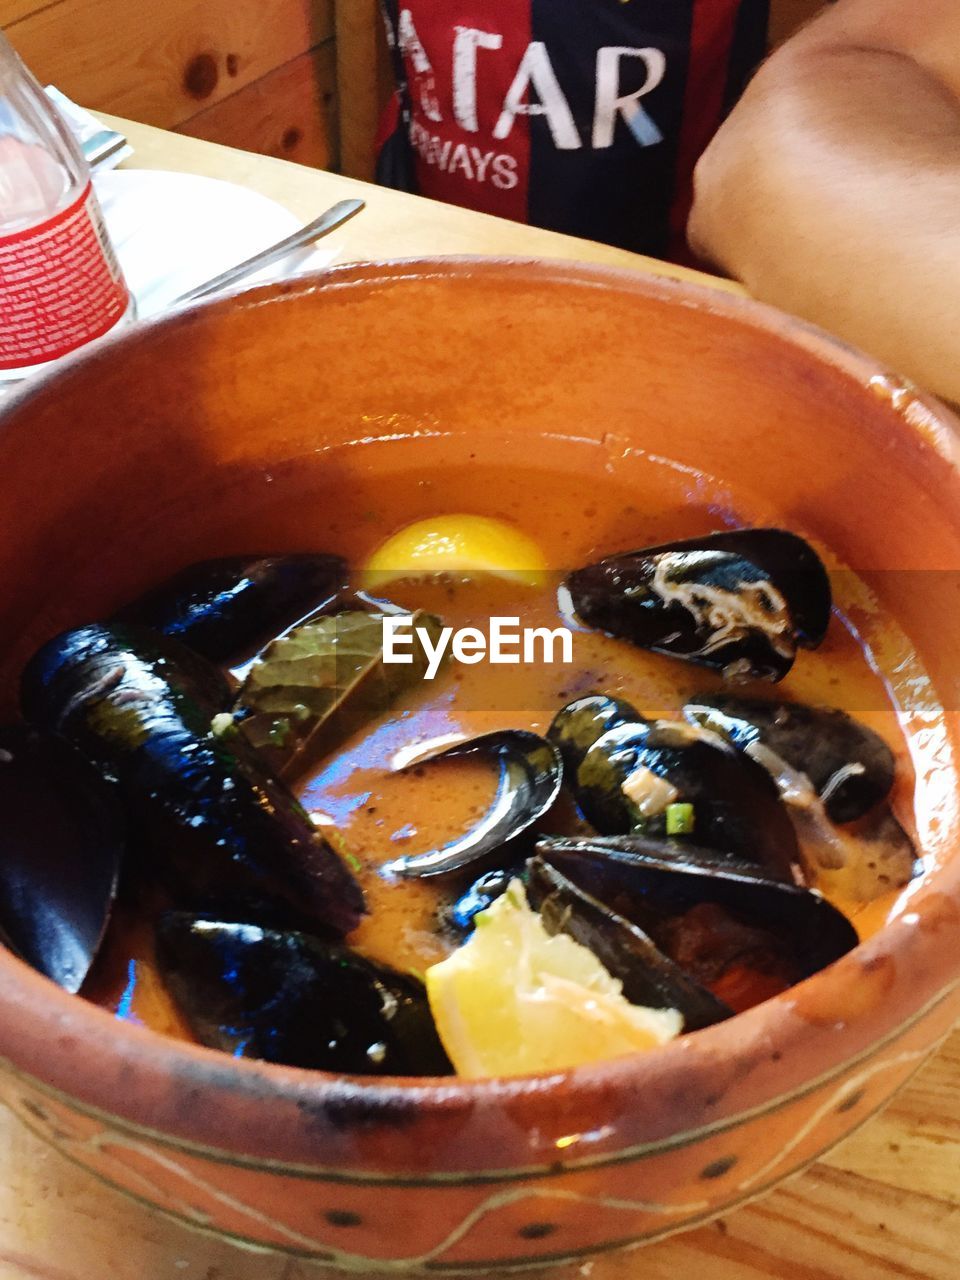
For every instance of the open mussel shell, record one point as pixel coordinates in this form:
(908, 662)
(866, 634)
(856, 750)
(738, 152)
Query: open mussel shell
(850, 766)
(529, 774)
(140, 707)
(226, 609)
(736, 805)
(739, 601)
(578, 725)
(859, 861)
(294, 999)
(648, 881)
(61, 845)
(648, 976)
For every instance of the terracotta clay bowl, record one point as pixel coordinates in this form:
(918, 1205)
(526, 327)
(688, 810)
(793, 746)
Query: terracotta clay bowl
(170, 443)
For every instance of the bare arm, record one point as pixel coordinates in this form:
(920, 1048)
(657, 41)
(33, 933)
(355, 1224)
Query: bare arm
(834, 188)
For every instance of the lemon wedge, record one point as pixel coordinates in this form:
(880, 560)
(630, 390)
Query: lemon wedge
(464, 545)
(514, 1000)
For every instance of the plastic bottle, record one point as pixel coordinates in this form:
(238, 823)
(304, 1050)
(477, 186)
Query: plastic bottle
(60, 284)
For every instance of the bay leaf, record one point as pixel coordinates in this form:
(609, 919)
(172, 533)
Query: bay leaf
(315, 686)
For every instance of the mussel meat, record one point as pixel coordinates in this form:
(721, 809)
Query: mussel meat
(61, 844)
(648, 976)
(226, 609)
(530, 772)
(850, 766)
(140, 707)
(732, 929)
(633, 774)
(294, 999)
(739, 601)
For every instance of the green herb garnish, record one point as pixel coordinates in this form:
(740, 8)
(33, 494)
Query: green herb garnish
(681, 819)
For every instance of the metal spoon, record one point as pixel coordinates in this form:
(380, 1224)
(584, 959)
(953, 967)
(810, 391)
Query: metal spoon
(328, 221)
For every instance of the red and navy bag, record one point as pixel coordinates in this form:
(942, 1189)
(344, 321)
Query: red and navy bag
(584, 116)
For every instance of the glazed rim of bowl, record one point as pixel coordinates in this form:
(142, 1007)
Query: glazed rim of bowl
(42, 1024)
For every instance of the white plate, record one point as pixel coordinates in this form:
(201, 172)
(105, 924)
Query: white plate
(173, 231)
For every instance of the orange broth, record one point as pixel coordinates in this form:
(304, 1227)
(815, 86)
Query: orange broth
(379, 814)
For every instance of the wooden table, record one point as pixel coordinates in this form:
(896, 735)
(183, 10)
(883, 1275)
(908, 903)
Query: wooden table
(885, 1204)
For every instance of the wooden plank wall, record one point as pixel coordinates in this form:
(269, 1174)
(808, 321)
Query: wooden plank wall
(364, 79)
(255, 73)
(302, 79)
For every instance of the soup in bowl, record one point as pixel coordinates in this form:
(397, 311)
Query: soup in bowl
(627, 897)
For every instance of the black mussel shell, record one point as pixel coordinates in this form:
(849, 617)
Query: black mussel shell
(737, 807)
(739, 602)
(481, 894)
(61, 845)
(577, 726)
(850, 766)
(530, 772)
(227, 609)
(293, 999)
(858, 860)
(648, 884)
(861, 860)
(648, 976)
(141, 707)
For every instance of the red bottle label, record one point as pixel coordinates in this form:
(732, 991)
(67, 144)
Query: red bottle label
(60, 285)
